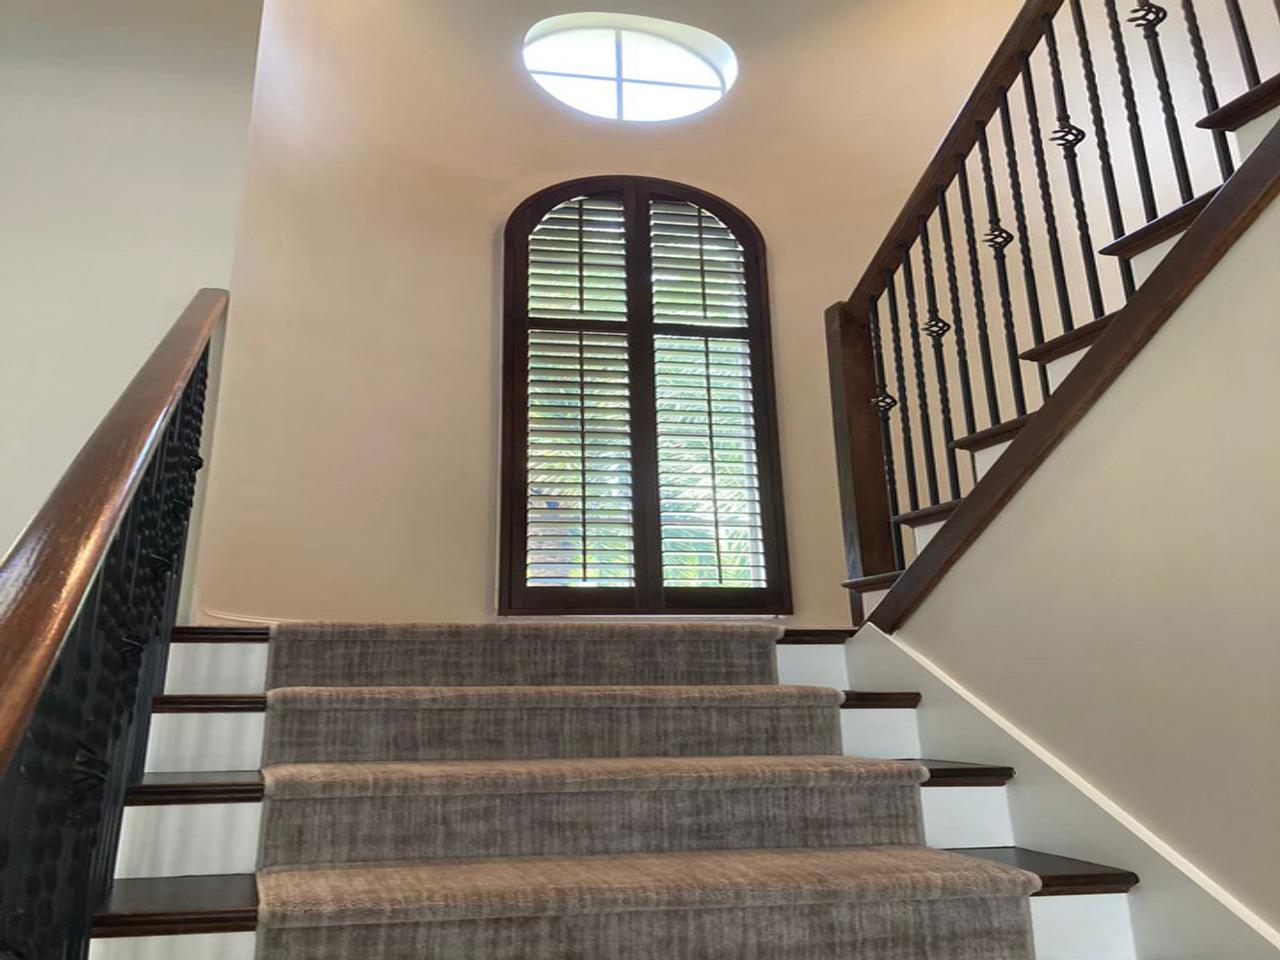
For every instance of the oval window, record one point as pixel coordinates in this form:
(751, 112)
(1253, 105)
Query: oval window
(625, 67)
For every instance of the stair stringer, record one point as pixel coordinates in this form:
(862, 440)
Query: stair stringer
(1173, 916)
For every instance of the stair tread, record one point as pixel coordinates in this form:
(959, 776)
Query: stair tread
(602, 774)
(1078, 339)
(149, 905)
(517, 697)
(540, 886)
(257, 703)
(1061, 875)
(1160, 229)
(999, 433)
(1248, 106)
(226, 634)
(229, 786)
(933, 514)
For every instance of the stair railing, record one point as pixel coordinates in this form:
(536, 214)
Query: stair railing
(1079, 131)
(87, 600)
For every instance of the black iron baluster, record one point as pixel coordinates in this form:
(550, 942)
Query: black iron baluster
(1207, 89)
(1030, 285)
(998, 238)
(904, 409)
(1100, 138)
(1141, 165)
(953, 292)
(922, 391)
(979, 299)
(884, 402)
(1248, 62)
(936, 328)
(1069, 137)
(1148, 16)
(1046, 197)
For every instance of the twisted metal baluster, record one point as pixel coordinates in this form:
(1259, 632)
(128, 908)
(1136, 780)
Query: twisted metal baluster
(922, 390)
(1100, 138)
(998, 238)
(1207, 89)
(1148, 16)
(1030, 285)
(1069, 137)
(979, 298)
(1046, 197)
(1141, 165)
(904, 412)
(1248, 62)
(884, 402)
(936, 328)
(953, 292)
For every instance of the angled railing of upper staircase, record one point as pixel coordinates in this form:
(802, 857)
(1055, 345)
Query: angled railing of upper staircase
(87, 602)
(1040, 228)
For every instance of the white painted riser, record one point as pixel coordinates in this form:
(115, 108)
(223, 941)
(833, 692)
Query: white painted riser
(1065, 928)
(242, 667)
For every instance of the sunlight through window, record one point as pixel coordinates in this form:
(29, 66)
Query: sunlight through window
(629, 68)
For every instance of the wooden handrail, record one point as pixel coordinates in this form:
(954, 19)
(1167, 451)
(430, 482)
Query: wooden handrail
(45, 576)
(1022, 37)
(1233, 208)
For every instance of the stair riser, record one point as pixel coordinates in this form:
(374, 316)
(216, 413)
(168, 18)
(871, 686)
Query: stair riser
(306, 736)
(203, 839)
(242, 667)
(233, 741)
(1249, 136)
(923, 533)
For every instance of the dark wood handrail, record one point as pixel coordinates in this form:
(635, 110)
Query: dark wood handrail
(1023, 35)
(1233, 208)
(45, 576)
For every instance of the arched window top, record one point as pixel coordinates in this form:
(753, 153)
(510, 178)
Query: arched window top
(641, 465)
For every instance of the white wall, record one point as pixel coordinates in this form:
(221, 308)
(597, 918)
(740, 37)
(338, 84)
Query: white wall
(355, 462)
(1122, 608)
(124, 126)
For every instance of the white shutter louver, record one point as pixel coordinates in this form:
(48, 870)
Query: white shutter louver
(698, 270)
(579, 461)
(708, 471)
(578, 263)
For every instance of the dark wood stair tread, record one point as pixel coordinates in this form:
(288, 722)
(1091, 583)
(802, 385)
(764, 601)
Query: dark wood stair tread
(956, 773)
(877, 581)
(1250, 105)
(1061, 876)
(209, 703)
(1079, 338)
(257, 703)
(1160, 229)
(196, 786)
(939, 511)
(245, 786)
(989, 437)
(155, 906)
(880, 700)
(802, 635)
(225, 903)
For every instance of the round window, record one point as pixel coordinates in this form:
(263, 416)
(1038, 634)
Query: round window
(629, 68)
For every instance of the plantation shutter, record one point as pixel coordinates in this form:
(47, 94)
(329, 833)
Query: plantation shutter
(640, 459)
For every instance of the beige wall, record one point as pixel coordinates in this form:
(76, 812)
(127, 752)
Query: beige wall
(356, 458)
(1122, 608)
(124, 127)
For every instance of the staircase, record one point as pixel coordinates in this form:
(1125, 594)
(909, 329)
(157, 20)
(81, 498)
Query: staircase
(195, 828)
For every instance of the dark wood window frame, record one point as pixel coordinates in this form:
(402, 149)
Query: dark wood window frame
(649, 595)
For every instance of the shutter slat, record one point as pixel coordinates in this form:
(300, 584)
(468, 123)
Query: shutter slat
(577, 262)
(579, 525)
(699, 271)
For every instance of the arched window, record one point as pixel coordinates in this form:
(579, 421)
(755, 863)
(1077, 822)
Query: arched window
(640, 451)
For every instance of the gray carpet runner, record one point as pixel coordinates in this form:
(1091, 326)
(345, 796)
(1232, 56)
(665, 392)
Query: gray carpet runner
(583, 791)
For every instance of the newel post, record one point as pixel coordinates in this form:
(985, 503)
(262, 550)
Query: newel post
(864, 492)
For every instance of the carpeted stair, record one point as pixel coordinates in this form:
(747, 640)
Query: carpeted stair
(575, 791)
